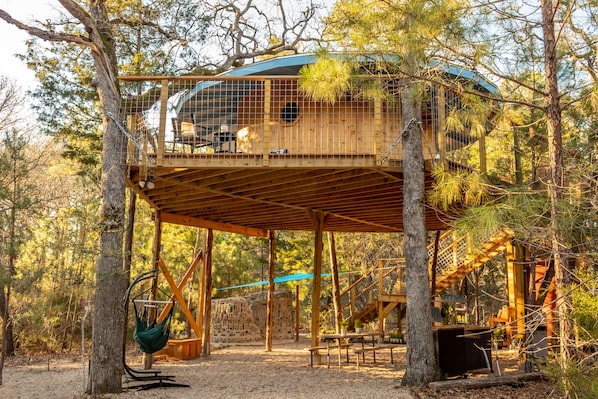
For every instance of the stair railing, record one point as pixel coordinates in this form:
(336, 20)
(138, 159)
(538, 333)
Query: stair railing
(388, 276)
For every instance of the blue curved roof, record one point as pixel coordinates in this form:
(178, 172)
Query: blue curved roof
(291, 64)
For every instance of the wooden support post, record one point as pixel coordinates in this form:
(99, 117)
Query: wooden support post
(381, 291)
(519, 290)
(270, 302)
(400, 315)
(131, 150)
(179, 297)
(266, 139)
(455, 247)
(482, 144)
(207, 311)
(297, 313)
(441, 133)
(201, 292)
(147, 358)
(336, 293)
(378, 131)
(516, 288)
(180, 287)
(434, 264)
(318, 221)
(162, 126)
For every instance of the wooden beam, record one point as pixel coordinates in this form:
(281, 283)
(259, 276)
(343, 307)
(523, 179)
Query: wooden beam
(482, 146)
(441, 133)
(336, 293)
(207, 224)
(267, 202)
(162, 124)
(157, 245)
(179, 297)
(270, 301)
(296, 312)
(207, 311)
(378, 130)
(435, 262)
(318, 218)
(181, 285)
(266, 133)
(519, 290)
(490, 381)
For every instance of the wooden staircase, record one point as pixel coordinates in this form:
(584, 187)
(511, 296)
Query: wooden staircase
(381, 289)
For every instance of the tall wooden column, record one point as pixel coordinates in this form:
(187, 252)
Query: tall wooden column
(516, 287)
(336, 293)
(147, 358)
(207, 306)
(270, 302)
(318, 222)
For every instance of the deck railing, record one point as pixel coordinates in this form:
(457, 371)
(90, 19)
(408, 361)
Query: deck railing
(267, 121)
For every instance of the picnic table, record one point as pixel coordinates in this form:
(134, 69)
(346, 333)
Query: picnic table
(345, 341)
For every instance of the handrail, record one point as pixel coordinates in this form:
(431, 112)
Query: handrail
(453, 252)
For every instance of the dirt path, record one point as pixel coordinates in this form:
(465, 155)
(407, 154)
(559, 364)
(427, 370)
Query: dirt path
(246, 372)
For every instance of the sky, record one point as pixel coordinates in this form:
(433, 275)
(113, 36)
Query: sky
(13, 39)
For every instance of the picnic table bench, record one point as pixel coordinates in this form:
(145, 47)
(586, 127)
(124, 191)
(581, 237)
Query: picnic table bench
(340, 342)
(328, 347)
(360, 352)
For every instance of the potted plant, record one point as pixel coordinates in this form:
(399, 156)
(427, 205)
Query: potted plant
(344, 326)
(396, 337)
(357, 324)
(498, 338)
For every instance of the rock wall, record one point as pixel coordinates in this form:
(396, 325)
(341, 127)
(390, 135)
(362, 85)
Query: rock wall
(232, 321)
(282, 310)
(243, 319)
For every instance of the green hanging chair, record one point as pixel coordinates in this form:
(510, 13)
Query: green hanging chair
(151, 336)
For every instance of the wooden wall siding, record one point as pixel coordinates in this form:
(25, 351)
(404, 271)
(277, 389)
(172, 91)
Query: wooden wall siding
(346, 127)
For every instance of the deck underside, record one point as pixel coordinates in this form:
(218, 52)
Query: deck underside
(253, 200)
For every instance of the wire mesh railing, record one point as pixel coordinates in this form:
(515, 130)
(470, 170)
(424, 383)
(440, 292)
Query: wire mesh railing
(253, 121)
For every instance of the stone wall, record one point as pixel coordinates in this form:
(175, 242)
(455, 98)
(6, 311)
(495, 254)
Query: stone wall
(243, 319)
(232, 321)
(282, 310)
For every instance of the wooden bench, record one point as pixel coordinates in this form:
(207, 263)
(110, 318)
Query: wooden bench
(327, 348)
(361, 351)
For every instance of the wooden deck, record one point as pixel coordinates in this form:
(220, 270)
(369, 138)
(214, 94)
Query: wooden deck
(254, 200)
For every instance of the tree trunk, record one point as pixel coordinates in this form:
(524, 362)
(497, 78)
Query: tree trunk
(557, 182)
(106, 366)
(6, 337)
(422, 367)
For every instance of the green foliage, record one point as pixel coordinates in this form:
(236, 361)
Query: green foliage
(585, 307)
(578, 382)
(327, 80)
(458, 187)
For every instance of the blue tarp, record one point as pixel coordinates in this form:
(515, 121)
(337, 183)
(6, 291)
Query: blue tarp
(283, 279)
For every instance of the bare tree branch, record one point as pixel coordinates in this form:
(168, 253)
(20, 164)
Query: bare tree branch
(45, 34)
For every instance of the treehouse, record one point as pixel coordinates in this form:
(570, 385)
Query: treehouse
(248, 152)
